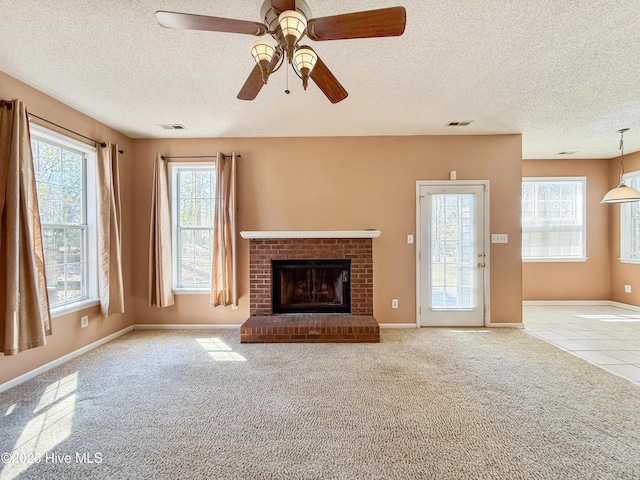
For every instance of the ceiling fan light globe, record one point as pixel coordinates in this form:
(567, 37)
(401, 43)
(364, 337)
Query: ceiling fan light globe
(305, 59)
(293, 24)
(262, 51)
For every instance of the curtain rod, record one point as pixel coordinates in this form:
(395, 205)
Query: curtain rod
(197, 156)
(102, 144)
(9, 106)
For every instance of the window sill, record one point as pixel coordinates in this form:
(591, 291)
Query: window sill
(554, 260)
(73, 307)
(191, 291)
(630, 260)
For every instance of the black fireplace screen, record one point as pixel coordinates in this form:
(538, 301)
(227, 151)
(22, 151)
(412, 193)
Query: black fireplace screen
(311, 286)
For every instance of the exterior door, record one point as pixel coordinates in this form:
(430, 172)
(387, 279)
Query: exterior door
(451, 258)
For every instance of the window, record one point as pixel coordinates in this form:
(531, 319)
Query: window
(553, 219)
(193, 205)
(63, 169)
(630, 224)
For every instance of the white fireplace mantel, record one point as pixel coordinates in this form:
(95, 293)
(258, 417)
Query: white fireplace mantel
(275, 234)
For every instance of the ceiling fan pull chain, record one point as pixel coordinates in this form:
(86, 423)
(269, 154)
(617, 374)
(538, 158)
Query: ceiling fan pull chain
(287, 89)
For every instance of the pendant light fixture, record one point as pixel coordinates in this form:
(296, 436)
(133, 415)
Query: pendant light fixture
(622, 193)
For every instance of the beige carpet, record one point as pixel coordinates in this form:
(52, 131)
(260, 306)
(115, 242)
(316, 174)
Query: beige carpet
(423, 404)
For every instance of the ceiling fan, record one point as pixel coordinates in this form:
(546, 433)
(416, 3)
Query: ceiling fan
(287, 21)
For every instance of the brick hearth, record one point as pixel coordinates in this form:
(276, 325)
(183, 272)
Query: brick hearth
(310, 328)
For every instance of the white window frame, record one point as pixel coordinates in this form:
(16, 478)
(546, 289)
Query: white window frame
(629, 212)
(174, 169)
(580, 258)
(91, 216)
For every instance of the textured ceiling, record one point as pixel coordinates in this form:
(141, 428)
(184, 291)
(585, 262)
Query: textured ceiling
(565, 74)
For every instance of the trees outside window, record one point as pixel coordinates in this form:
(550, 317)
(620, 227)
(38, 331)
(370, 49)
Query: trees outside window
(62, 167)
(193, 207)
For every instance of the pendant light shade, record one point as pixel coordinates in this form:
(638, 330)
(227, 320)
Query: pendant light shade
(622, 193)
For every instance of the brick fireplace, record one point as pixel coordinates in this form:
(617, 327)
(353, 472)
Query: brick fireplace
(266, 247)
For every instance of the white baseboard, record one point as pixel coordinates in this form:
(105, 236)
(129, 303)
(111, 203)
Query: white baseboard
(59, 361)
(413, 325)
(565, 302)
(604, 303)
(626, 306)
(398, 325)
(178, 326)
(505, 325)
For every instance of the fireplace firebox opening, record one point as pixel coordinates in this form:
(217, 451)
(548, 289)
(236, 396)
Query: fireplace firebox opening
(311, 286)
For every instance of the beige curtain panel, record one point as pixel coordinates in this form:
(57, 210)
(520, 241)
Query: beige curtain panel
(160, 280)
(24, 303)
(223, 276)
(110, 283)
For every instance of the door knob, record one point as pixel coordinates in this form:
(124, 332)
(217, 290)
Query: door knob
(481, 265)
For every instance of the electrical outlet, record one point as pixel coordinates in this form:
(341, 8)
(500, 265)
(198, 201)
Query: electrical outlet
(394, 303)
(627, 289)
(84, 321)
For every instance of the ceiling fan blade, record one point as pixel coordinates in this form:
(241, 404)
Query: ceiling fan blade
(282, 5)
(252, 86)
(254, 83)
(189, 21)
(386, 22)
(326, 82)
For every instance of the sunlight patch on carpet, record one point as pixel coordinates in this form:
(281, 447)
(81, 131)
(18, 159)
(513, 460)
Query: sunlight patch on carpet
(220, 351)
(46, 429)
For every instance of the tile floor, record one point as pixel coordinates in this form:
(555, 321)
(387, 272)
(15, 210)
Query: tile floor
(608, 337)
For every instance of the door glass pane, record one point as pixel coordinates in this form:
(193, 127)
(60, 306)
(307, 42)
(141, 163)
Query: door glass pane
(452, 251)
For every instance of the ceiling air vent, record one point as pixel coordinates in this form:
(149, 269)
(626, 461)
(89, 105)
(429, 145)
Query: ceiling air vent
(459, 124)
(173, 126)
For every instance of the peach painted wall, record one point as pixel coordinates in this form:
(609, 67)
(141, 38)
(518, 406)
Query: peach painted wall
(622, 273)
(296, 183)
(67, 335)
(588, 280)
(344, 183)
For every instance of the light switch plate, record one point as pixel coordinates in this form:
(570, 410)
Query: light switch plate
(499, 238)
(409, 239)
